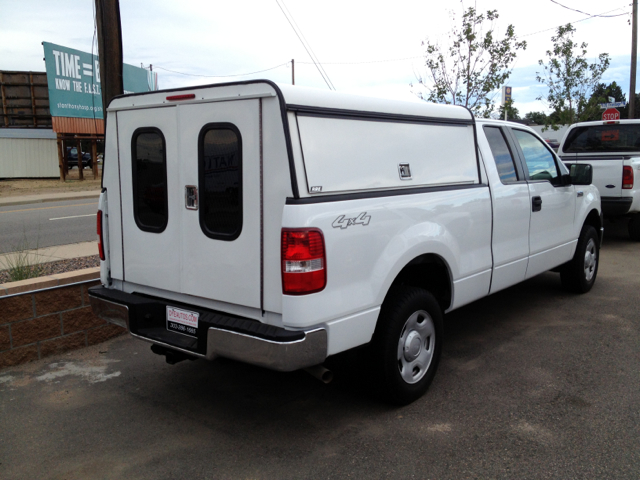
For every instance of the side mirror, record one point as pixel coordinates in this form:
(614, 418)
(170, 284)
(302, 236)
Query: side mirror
(581, 174)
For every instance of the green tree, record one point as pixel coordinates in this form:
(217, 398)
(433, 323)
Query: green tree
(539, 118)
(624, 112)
(473, 65)
(570, 79)
(601, 94)
(512, 112)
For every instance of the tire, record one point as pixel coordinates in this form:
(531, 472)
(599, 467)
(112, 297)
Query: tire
(407, 344)
(580, 273)
(634, 227)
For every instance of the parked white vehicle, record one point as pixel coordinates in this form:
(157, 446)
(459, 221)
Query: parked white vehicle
(613, 150)
(279, 225)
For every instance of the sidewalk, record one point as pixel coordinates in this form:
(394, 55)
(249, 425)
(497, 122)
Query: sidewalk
(47, 197)
(51, 254)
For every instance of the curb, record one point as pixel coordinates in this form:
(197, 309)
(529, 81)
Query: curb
(27, 201)
(40, 283)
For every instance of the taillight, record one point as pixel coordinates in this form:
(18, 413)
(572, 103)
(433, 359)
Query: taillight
(627, 177)
(100, 244)
(304, 266)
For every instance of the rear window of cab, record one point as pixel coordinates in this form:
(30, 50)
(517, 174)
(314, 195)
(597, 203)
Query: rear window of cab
(615, 138)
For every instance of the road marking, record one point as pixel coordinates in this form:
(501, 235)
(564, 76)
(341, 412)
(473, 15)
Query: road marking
(74, 216)
(47, 208)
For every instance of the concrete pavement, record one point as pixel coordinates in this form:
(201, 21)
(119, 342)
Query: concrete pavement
(534, 382)
(49, 254)
(47, 197)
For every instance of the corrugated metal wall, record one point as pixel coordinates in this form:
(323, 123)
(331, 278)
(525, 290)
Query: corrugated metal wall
(28, 158)
(69, 125)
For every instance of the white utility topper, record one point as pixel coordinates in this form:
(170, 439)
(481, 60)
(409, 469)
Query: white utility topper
(280, 225)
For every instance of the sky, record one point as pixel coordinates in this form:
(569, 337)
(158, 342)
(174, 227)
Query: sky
(365, 47)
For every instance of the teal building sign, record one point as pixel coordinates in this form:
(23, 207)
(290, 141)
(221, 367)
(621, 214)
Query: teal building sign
(74, 82)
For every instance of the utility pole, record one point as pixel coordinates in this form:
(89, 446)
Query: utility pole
(634, 58)
(293, 71)
(109, 50)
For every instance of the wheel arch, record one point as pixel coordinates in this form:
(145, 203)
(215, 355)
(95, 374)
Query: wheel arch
(430, 272)
(594, 219)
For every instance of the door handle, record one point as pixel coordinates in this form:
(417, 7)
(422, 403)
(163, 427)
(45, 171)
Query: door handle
(191, 197)
(536, 204)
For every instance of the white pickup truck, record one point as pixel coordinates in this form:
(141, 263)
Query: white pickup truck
(612, 148)
(279, 225)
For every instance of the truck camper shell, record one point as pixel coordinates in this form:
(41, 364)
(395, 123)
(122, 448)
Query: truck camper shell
(322, 122)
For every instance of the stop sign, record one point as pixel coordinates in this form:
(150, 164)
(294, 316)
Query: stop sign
(611, 114)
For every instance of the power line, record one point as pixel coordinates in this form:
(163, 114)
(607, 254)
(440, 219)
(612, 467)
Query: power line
(363, 62)
(314, 59)
(222, 76)
(578, 21)
(367, 61)
(585, 13)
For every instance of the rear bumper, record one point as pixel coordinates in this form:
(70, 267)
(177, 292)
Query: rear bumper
(219, 334)
(615, 206)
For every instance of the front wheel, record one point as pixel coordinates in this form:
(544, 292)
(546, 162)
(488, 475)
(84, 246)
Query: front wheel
(407, 344)
(580, 273)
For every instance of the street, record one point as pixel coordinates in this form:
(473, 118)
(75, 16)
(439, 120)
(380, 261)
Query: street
(47, 224)
(534, 383)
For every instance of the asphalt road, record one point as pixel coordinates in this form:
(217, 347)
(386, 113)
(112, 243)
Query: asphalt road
(534, 383)
(47, 224)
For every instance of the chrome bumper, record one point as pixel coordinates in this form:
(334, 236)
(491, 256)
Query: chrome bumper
(283, 356)
(111, 312)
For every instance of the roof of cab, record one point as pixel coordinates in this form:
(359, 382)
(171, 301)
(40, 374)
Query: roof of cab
(293, 95)
(622, 121)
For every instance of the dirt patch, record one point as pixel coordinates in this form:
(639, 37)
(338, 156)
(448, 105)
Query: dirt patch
(61, 266)
(34, 186)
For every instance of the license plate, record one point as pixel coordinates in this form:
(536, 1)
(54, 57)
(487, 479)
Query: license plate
(182, 321)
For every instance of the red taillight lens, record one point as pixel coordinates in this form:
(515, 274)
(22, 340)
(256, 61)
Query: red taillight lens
(304, 265)
(100, 245)
(627, 177)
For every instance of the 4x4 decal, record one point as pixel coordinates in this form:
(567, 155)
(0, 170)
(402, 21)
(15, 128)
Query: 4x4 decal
(341, 222)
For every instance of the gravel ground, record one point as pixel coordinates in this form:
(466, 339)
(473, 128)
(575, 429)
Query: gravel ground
(35, 186)
(59, 267)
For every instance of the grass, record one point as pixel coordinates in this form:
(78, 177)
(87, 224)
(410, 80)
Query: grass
(22, 263)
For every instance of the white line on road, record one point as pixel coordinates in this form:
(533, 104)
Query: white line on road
(75, 216)
(47, 208)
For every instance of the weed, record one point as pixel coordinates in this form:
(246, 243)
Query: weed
(23, 262)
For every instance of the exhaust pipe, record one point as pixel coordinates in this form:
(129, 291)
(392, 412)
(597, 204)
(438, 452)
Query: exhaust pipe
(171, 356)
(321, 373)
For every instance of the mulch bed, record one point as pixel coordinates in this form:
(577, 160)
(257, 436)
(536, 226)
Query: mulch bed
(61, 266)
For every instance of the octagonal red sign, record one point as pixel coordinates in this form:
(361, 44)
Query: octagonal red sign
(611, 114)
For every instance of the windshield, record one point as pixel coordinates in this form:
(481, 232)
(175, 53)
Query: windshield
(603, 139)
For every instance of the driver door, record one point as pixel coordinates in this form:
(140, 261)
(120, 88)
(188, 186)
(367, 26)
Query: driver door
(552, 204)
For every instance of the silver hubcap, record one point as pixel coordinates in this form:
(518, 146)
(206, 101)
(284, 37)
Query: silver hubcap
(416, 346)
(590, 260)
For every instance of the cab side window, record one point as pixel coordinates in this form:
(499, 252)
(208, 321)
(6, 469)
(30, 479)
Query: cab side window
(501, 155)
(539, 160)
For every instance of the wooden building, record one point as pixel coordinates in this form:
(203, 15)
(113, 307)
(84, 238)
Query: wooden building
(25, 106)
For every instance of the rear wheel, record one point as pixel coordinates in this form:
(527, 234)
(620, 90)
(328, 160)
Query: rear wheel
(580, 273)
(407, 344)
(634, 227)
